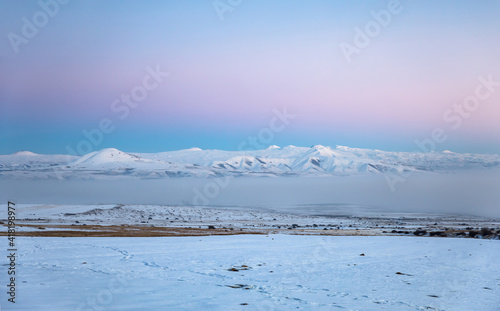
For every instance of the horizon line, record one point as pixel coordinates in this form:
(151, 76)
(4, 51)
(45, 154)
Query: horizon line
(270, 147)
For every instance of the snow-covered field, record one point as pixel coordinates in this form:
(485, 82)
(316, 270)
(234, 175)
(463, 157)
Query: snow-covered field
(132, 220)
(257, 272)
(297, 262)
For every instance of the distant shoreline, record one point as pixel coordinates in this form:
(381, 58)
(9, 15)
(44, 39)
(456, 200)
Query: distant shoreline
(170, 221)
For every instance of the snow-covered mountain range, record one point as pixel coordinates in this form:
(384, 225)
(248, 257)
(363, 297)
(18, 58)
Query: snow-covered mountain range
(273, 161)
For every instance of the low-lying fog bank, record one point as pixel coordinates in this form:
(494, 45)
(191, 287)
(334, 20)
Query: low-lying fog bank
(472, 193)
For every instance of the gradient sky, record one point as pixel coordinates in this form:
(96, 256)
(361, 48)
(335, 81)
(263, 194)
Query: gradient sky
(227, 76)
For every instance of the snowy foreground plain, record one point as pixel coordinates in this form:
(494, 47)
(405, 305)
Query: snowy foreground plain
(257, 272)
(74, 257)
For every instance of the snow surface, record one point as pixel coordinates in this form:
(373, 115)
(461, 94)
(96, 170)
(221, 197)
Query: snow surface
(283, 272)
(347, 218)
(272, 161)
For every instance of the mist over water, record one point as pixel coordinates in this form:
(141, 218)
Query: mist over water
(471, 193)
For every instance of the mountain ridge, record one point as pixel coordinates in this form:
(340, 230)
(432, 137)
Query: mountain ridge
(271, 161)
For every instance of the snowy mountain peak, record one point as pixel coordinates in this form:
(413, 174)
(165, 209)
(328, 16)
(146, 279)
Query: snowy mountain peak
(274, 147)
(113, 154)
(338, 147)
(323, 151)
(105, 156)
(194, 149)
(320, 147)
(24, 153)
(109, 151)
